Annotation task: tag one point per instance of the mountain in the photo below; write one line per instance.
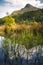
(28, 14)
(27, 8)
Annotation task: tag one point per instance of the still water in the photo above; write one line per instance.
(22, 53)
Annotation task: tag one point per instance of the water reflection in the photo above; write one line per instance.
(17, 55)
(1, 41)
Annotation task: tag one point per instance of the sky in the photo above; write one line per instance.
(12, 5)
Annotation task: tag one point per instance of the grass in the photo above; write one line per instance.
(20, 27)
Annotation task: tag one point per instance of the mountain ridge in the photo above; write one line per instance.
(27, 8)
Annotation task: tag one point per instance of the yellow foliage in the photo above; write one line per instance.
(35, 24)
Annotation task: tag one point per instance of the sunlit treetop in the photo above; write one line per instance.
(8, 20)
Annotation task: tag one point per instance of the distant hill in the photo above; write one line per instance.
(28, 14)
(27, 8)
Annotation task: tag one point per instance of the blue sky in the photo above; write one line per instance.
(11, 5)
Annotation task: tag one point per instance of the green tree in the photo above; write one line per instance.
(8, 20)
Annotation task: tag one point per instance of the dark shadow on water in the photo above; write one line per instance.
(4, 60)
(21, 61)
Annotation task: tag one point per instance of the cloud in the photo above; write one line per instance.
(5, 9)
(21, 3)
(11, 5)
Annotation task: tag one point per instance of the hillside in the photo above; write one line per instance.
(27, 8)
(28, 14)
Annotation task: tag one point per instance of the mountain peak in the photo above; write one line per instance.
(27, 8)
(27, 5)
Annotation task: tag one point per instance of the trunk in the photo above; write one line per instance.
(5, 59)
(27, 57)
(5, 62)
(37, 59)
(19, 57)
